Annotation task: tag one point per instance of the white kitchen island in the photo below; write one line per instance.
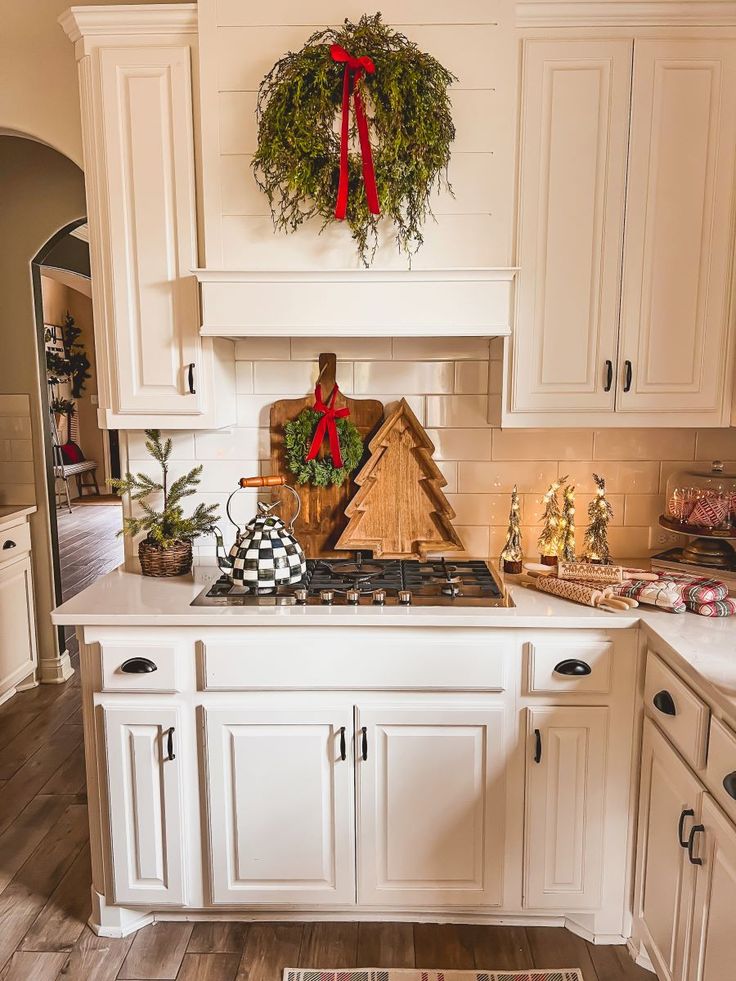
(417, 763)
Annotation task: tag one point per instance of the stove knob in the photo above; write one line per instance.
(379, 596)
(353, 596)
(405, 597)
(300, 595)
(326, 596)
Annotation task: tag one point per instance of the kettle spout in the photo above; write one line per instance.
(223, 559)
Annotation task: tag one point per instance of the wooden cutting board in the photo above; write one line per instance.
(323, 508)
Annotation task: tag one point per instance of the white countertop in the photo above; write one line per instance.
(11, 514)
(703, 648)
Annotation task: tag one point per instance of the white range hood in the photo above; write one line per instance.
(370, 303)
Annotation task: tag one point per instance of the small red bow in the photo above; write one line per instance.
(354, 68)
(327, 424)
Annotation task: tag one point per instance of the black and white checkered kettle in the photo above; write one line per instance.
(265, 553)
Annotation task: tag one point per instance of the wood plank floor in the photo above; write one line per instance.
(45, 899)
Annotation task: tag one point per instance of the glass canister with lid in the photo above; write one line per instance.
(702, 501)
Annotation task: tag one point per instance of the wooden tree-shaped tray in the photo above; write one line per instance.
(322, 519)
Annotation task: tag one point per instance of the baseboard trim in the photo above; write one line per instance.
(639, 955)
(55, 670)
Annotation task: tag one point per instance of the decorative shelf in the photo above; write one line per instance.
(368, 303)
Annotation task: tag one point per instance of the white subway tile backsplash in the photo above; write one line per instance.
(244, 377)
(182, 447)
(283, 378)
(480, 509)
(471, 377)
(542, 444)
(497, 478)
(233, 444)
(440, 348)
(461, 444)
(415, 402)
(622, 477)
(475, 539)
(254, 410)
(715, 444)
(449, 471)
(643, 509)
(495, 378)
(345, 348)
(263, 349)
(412, 377)
(643, 444)
(457, 411)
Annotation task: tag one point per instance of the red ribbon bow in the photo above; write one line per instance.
(354, 68)
(327, 424)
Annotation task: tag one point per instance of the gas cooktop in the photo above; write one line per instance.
(362, 581)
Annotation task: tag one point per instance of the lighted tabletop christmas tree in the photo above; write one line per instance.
(600, 512)
(567, 533)
(399, 510)
(512, 554)
(549, 537)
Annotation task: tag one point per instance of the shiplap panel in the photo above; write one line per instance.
(475, 112)
(471, 176)
(236, 13)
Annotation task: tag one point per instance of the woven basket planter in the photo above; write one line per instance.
(173, 561)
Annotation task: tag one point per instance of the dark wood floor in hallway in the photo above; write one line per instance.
(45, 877)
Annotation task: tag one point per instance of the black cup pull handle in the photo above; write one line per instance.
(664, 702)
(696, 829)
(571, 667)
(9, 544)
(609, 376)
(138, 665)
(686, 813)
(343, 748)
(627, 376)
(192, 389)
(170, 743)
(364, 743)
(729, 784)
(537, 746)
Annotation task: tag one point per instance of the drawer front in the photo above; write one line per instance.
(720, 776)
(569, 667)
(677, 710)
(139, 667)
(14, 542)
(447, 660)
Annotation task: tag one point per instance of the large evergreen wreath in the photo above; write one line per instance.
(298, 435)
(410, 122)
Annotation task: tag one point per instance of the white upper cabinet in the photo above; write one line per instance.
(138, 131)
(679, 229)
(629, 327)
(574, 135)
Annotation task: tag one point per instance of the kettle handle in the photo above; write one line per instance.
(298, 510)
(272, 481)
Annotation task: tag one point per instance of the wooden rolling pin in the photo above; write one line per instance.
(274, 480)
(579, 593)
(593, 574)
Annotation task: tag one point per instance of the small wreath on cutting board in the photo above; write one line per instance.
(402, 123)
(298, 436)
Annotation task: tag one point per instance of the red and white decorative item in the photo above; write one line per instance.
(710, 511)
(702, 499)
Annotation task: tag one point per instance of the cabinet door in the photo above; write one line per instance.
(431, 804)
(150, 232)
(145, 803)
(574, 135)
(17, 623)
(712, 956)
(664, 876)
(565, 793)
(281, 805)
(679, 229)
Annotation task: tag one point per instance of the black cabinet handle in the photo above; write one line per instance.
(729, 784)
(688, 812)
(192, 389)
(364, 743)
(609, 376)
(664, 702)
(138, 665)
(571, 667)
(9, 544)
(537, 746)
(696, 828)
(627, 376)
(343, 752)
(170, 744)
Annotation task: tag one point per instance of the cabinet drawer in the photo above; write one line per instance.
(127, 667)
(14, 542)
(677, 710)
(721, 773)
(569, 667)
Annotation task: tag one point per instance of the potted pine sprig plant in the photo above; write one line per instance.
(167, 548)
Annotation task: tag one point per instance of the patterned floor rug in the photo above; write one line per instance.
(381, 974)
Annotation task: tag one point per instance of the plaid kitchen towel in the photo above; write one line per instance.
(663, 593)
(717, 608)
(697, 589)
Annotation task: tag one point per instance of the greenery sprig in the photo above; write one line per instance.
(410, 122)
(298, 434)
(168, 526)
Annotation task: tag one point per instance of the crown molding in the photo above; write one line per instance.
(626, 13)
(129, 19)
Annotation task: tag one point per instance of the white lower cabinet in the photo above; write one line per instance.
(280, 802)
(431, 803)
(147, 818)
(17, 623)
(712, 945)
(565, 806)
(669, 806)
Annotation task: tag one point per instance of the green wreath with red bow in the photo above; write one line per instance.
(304, 436)
(401, 127)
